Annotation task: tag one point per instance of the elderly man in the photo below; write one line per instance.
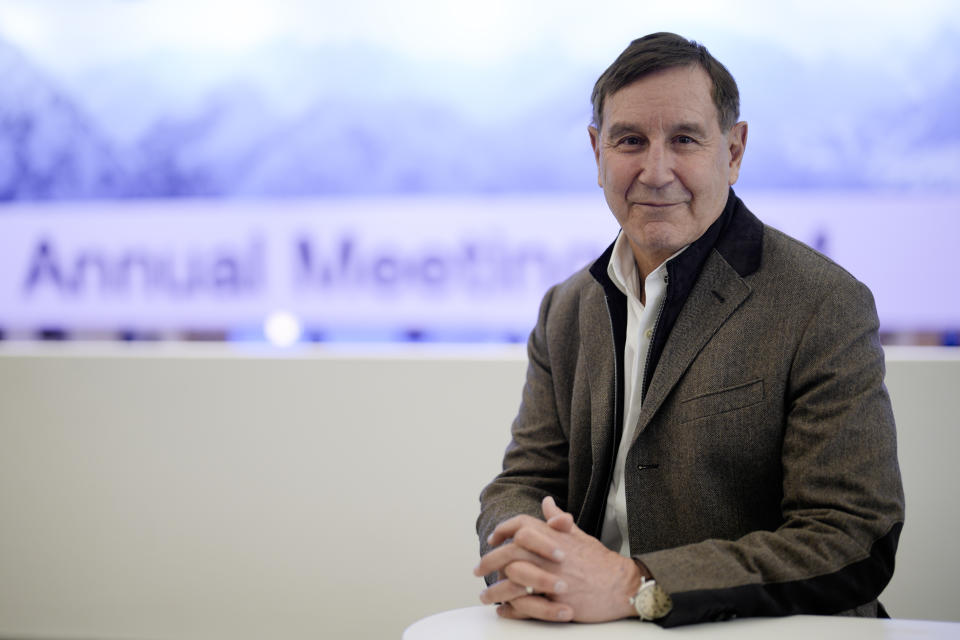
(704, 431)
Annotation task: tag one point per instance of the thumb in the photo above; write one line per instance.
(557, 518)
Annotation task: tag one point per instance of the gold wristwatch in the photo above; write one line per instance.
(650, 601)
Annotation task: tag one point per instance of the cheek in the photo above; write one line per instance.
(707, 179)
(615, 175)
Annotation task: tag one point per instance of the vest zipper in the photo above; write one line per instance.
(653, 337)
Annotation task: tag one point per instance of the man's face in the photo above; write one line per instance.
(664, 164)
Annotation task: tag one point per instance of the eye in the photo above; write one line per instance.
(631, 141)
(684, 139)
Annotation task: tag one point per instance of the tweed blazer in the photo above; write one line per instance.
(762, 478)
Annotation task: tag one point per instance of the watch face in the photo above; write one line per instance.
(652, 602)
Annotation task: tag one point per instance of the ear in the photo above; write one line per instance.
(595, 143)
(736, 143)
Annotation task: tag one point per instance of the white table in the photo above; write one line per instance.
(482, 623)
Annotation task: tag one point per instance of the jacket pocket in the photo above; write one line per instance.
(721, 401)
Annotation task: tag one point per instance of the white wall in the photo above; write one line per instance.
(202, 492)
(924, 385)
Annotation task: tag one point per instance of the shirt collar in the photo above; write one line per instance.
(622, 267)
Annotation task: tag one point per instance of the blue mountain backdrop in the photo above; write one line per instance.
(295, 121)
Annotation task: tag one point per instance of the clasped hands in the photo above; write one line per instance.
(550, 569)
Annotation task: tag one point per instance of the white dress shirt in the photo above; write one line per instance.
(641, 320)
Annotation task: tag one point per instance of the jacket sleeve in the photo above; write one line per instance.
(536, 459)
(842, 502)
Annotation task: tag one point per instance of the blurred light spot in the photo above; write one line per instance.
(282, 329)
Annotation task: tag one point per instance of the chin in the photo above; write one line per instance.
(659, 239)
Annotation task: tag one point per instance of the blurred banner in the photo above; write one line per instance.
(429, 268)
(397, 268)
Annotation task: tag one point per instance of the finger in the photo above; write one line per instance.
(550, 508)
(503, 555)
(506, 610)
(506, 591)
(536, 607)
(533, 535)
(557, 518)
(541, 540)
(506, 529)
(562, 523)
(528, 576)
(502, 591)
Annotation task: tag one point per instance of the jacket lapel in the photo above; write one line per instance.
(717, 294)
(601, 360)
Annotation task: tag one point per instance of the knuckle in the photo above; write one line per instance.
(546, 583)
(523, 537)
(518, 571)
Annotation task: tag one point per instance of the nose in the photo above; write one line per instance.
(656, 170)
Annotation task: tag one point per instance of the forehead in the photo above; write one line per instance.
(668, 96)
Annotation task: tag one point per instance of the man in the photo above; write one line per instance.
(704, 431)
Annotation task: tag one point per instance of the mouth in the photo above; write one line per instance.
(657, 205)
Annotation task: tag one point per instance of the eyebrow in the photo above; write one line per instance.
(618, 129)
(690, 127)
